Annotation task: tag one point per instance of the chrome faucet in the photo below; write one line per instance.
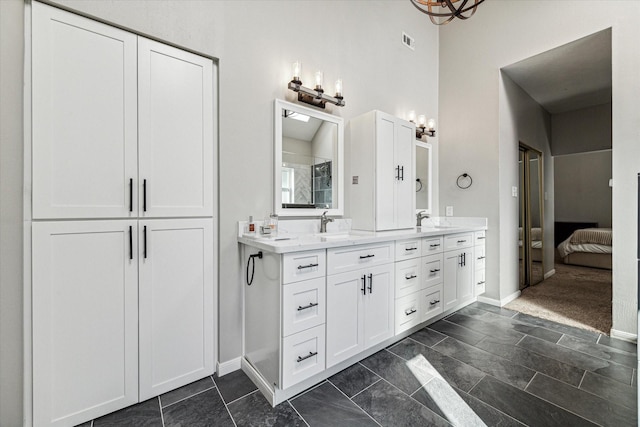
(323, 222)
(419, 217)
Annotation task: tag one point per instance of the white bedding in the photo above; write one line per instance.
(565, 248)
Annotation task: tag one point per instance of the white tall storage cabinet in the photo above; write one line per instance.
(122, 218)
(383, 172)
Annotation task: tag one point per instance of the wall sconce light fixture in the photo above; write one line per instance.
(315, 97)
(424, 126)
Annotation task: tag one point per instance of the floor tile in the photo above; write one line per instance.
(428, 337)
(87, 424)
(523, 406)
(619, 344)
(493, 309)
(600, 351)
(325, 405)
(557, 327)
(234, 385)
(611, 390)
(588, 406)
(202, 410)
(494, 329)
(407, 376)
(354, 379)
(490, 415)
(254, 410)
(442, 399)
(456, 331)
(503, 369)
(580, 360)
(452, 370)
(186, 391)
(551, 367)
(391, 407)
(634, 382)
(145, 414)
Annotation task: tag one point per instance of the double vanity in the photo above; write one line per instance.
(315, 303)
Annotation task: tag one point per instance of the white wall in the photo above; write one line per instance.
(586, 129)
(476, 130)
(255, 42)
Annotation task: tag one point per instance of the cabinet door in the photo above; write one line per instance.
(379, 305)
(458, 277)
(176, 303)
(404, 149)
(175, 131)
(386, 173)
(464, 282)
(345, 327)
(85, 319)
(84, 116)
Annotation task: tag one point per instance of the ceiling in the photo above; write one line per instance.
(570, 77)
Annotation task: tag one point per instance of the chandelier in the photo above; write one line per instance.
(449, 10)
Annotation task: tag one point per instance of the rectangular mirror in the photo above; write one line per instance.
(308, 172)
(423, 176)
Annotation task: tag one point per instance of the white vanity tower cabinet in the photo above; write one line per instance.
(122, 238)
(383, 173)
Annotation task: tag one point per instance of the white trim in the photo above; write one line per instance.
(232, 365)
(625, 336)
(499, 303)
(549, 273)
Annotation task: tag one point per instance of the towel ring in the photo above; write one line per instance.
(464, 181)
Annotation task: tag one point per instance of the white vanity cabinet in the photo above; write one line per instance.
(458, 287)
(479, 262)
(360, 301)
(383, 158)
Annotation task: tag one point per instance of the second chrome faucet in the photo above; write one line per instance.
(324, 221)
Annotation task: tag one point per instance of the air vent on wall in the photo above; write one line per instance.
(408, 41)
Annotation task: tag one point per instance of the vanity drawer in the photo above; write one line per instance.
(479, 282)
(431, 303)
(479, 237)
(432, 270)
(303, 355)
(408, 276)
(406, 249)
(478, 255)
(431, 245)
(298, 266)
(303, 305)
(340, 260)
(458, 241)
(407, 312)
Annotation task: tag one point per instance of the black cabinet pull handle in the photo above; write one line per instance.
(367, 256)
(402, 173)
(410, 249)
(130, 242)
(130, 194)
(144, 233)
(464, 259)
(434, 302)
(435, 270)
(370, 283)
(398, 172)
(434, 245)
(481, 237)
(300, 267)
(461, 241)
(481, 283)
(460, 261)
(413, 276)
(301, 358)
(144, 195)
(481, 257)
(410, 311)
(311, 305)
(364, 284)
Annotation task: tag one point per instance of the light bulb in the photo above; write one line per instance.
(412, 116)
(421, 120)
(297, 70)
(338, 88)
(431, 124)
(319, 80)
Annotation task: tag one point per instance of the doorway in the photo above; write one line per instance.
(531, 217)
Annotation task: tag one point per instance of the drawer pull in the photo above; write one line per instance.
(435, 270)
(367, 256)
(311, 305)
(481, 283)
(481, 257)
(434, 245)
(413, 276)
(462, 241)
(370, 287)
(410, 311)
(410, 249)
(480, 238)
(311, 354)
(300, 267)
(434, 302)
(364, 284)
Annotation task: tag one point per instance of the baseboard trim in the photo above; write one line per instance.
(625, 336)
(232, 365)
(499, 303)
(549, 273)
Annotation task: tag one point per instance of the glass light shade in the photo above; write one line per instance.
(422, 120)
(412, 116)
(319, 79)
(431, 124)
(296, 69)
(339, 87)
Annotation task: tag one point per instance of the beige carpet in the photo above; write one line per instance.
(575, 296)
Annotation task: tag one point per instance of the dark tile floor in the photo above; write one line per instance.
(482, 365)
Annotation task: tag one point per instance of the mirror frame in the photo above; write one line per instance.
(429, 147)
(338, 210)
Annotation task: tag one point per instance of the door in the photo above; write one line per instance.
(458, 277)
(176, 303)
(175, 131)
(84, 117)
(85, 319)
(405, 186)
(530, 233)
(386, 173)
(379, 305)
(345, 326)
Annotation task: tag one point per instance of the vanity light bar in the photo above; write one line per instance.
(315, 97)
(423, 127)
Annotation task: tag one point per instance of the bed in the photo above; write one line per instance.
(589, 247)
